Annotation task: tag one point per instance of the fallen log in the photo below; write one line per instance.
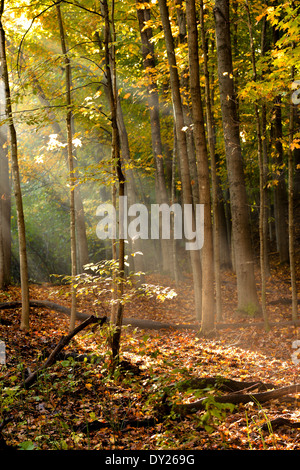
(135, 322)
(238, 398)
(279, 422)
(144, 323)
(221, 383)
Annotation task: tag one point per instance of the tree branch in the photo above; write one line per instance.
(61, 344)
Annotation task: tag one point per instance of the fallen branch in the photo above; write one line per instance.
(61, 344)
(221, 383)
(237, 398)
(278, 422)
(146, 324)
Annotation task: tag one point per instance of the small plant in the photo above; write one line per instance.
(215, 413)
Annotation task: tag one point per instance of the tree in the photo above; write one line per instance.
(244, 263)
(262, 182)
(5, 207)
(143, 14)
(69, 117)
(116, 158)
(207, 263)
(16, 179)
(182, 147)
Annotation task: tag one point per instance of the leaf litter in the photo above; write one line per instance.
(78, 405)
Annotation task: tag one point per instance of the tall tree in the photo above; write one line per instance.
(207, 263)
(280, 190)
(182, 148)
(291, 221)
(5, 211)
(16, 179)
(244, 262)
(143, 14)
(71, 166)
(116, 157)
(262, 182)
(214, 180)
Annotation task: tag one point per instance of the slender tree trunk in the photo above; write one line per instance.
(210, 133)
(72, 181)
(291, 222)
(280, 192)
(244, 263)
(187, 113)
(262, 183)
(222, 225)
(143, 14)
(207, 262)
(16, 181)
(5, 209)
(137, 250)
(112, 89)
(135, 246)
(182, 148)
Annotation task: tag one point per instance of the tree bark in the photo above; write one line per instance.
(262, 182)
(210, 133)
(72, 182)
(186, 107)
(143, 14)
(280, 190)
(244, 263)
(5, 212)
(16, 180)
(182, 148)
(112, 90)
(207, 261)
(291, 221)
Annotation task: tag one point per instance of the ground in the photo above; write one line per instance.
(71, 396)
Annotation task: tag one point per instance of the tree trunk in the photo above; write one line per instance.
(5, 211)
(182, 148)
(211, 142)
(135, 246)
(207, 262)
(291, 222)
(244, 264)
(72, 181)
(262, 182)
(143, 14)
(280, 192)
(184, 89)
(16, 181)
(112, 90)
(264, 133)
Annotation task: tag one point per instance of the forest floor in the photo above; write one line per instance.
(79, 406)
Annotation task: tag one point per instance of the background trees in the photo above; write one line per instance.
(168, 153)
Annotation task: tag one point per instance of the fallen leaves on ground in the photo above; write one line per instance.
(79, 406)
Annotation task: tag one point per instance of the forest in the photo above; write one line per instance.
(149, 227)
